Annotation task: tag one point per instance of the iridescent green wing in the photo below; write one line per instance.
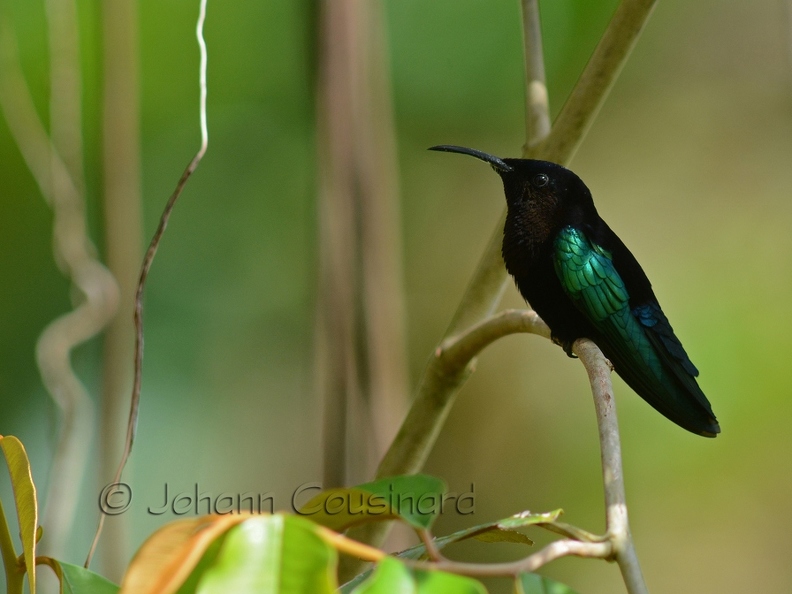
(591, 281)
(639, 341)
(588, 276)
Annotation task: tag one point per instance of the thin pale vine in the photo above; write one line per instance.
(60, 182)
(77, 428)
(149, 259)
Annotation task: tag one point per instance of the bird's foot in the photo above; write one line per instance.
(564, 344)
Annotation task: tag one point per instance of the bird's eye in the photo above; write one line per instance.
(540, 180)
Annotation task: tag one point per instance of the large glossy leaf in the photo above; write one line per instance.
(169, 556)
(277, 554)
(532, 583)
(417, 499)
(78, 580)
(390, 576)
(25, 499)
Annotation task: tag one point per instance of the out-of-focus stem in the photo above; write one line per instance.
(595, 82)
(338, 373)
(361, 358)
(452, 363)
(537, 105)
(381, 245)
(123, 245)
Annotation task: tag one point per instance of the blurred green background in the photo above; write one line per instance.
(689, 161)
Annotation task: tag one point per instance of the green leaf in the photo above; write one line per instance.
(25, 499)
(532, 583)
(15, 579)
(417, 499)
(169, 557)
(438, 582)
(78, 580)
(350, 586)
(500, 535)
(390, 576)
(525, 518)
(500, 531)
(279, 554)
(208, 559)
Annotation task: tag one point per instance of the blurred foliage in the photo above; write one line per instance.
(688, 162)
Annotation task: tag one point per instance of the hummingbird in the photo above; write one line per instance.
(581, 279)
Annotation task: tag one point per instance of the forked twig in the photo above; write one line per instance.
(437, 389)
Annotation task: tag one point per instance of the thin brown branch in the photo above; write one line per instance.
(429, 544)
(149, 259)
(555, 550)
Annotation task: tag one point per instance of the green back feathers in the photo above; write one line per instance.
(645, 352)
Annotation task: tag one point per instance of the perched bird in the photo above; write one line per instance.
(584, 283)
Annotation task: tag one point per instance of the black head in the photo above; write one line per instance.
(541, 194)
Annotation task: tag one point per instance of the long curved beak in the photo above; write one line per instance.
(496, 163)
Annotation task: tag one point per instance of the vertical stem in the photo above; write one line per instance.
(595, 82)
(337, 362)
(66, 89)
(436, 392)
(537, 107)
(598, 370)
(148, 260)
(361, 354)
(381, 246)
(123, 245)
